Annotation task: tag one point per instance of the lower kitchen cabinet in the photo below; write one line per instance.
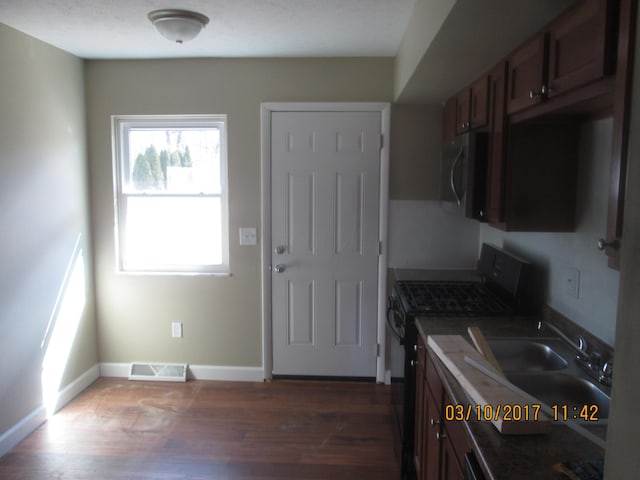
(440, 445)
(450, 466)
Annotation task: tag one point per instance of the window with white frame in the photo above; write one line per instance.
(170, 186)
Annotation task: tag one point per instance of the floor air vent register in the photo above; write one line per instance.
(158, 372)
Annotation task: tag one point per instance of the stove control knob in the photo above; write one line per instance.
(279, 268)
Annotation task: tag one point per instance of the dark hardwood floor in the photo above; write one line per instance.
(119, 429)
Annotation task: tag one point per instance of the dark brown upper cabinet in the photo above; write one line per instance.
(496, 164)
(472, 106)
(578, 66)
(463, 111)
(479, 110)
(581, 45)
(527, 74)
(565, 62)
(611, 242)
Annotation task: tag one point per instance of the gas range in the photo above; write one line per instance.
(502, 289)
(451, 298)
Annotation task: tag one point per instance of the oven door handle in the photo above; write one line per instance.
(390, 310)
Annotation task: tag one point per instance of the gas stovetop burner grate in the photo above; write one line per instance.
(450, 299)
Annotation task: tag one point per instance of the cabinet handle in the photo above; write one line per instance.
(544, 91)
(441, 435)
(414, 363)
(434, 422)
(417, 347)
(602, 244)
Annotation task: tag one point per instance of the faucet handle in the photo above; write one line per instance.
(582, 343)
(606, 372)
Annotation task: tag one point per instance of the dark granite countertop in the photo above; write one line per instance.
(510, 457)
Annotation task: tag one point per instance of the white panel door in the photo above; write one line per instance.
(325, 212)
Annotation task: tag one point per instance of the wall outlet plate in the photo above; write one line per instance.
(572, 282)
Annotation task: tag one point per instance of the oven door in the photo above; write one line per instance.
(403, 334)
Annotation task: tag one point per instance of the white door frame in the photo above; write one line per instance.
(265, 141)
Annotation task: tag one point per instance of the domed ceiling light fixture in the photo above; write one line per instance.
(178, 25)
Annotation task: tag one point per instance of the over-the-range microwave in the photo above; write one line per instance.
(464, 175)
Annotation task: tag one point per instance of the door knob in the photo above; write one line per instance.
(279, 249)
(279, 268)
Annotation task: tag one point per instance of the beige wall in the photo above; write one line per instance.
(221, 316)
(44, 210)
(416, 147)
(425, 23)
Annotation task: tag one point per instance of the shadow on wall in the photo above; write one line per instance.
(540, 274)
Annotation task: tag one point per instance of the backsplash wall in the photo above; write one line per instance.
(555, 254)
(423, 235)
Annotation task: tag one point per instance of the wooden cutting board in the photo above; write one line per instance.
(509, 412)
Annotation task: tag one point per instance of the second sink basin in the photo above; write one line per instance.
(518, 355)
(562, 389)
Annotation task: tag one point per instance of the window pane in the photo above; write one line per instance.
(172, 160)
(167, 231)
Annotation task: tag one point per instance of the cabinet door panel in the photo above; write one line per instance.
(527, 74)
(420, 411)
(497, 145)
(450, 468)
(621, 123)
(580, 46)
(479, 115)
(433, 444)
(463, 111)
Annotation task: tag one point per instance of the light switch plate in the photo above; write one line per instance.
(176, 329)
(248, 236)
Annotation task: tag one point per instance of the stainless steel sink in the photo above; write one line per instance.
(545, 368)
(517, 355)
(564, 389)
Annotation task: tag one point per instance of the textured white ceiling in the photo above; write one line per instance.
(237, 28)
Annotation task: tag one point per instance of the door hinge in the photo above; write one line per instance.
(381, 141)
(377, 349)
(379, 248)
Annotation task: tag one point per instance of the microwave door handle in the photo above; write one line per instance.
(452, 176)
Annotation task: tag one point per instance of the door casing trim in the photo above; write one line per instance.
(265, 145)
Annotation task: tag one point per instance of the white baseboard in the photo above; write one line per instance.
(114, 370)
(72, 390)
(22, 429)
(234, 374)
(28, 424)
(195, 372)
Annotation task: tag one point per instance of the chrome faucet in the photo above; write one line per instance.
(590, 362)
